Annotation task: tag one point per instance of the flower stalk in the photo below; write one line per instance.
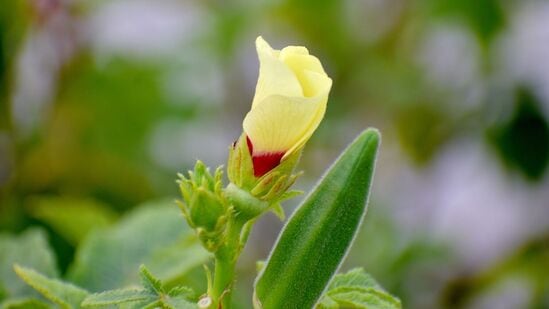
(289, 103)
(225, 264)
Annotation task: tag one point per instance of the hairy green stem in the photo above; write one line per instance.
(225, 263)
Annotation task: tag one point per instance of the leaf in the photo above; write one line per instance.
(31, 249)
(152, 295)
(72, 218)
(315, 240)
(178, 302)
(523, 140)
(26, 303)
(64, 294)
(183, 291)
(150, 283)
(366, 299)
(154, 234)
(357, 289)
(354, 277)
(485, 17)
(171, 262)
(115, 297)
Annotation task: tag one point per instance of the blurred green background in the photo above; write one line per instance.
(103, 102)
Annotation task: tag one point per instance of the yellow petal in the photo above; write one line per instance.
(274, 76)
(301, 65)
(290, 100)
(284, 124)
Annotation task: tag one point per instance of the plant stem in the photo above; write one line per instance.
(225, 262)
(223, 280)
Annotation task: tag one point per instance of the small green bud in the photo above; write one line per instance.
(206, 209)
(204, 204)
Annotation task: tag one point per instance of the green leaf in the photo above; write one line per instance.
(357, 289)
(354, 277)
(151, 295)
(183, 291)
(315, 240)
(150, 283)
(115, 297)
(178, 302)
(25, 303)
(31, 249)
(63, 294)
(172, 262)
(364, 299)
(523, 140)
(72, 218)
(154, 234)
(485, 17)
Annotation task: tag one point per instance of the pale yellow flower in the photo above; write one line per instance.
(289, 103)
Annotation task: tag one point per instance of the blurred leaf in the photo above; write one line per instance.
(523, 141)
(330, 35)
(529, 262)
(30, 248)
(108, 259)
(128, 100)
(422, 130)
(357, 289)
(96, 140)
(13, 21)
(63, 294)
(72, 218)
(171, 262)
(485, 17)
(26, 303)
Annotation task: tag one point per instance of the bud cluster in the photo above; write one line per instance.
(204, 204)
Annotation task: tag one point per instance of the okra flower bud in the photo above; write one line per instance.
(289, 103)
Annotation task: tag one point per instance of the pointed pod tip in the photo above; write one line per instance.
(371, 133)
(369, 138)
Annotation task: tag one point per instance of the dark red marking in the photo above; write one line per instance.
(264, 162)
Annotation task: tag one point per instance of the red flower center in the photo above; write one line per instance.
(264, 162)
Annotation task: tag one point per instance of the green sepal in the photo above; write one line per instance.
(268, 187)
(240, 168)
(277, 209)
(206, 209)
(315, 240)
(271, 186)
(245, 204)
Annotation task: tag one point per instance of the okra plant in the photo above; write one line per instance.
(300, 272)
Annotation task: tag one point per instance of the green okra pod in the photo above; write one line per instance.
(316, 238)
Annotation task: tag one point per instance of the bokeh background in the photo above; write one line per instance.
(103, 102)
